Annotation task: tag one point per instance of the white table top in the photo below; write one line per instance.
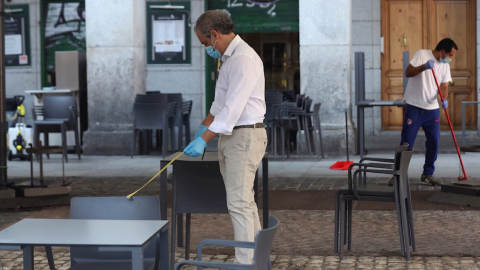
(58, 91)
(81, 232)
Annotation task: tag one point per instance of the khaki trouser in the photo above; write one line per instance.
(240, 155)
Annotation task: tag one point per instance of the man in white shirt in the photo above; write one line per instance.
(422, 108)
(237, 115)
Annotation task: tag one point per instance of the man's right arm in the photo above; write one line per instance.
(414, 71)
(208, 120)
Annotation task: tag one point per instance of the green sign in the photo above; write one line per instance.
(260, 16)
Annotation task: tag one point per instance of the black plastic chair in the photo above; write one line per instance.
(113, 208)
(371, 192)
(152, 116)
(261, 255)
(272, 98)
(60, 115)
(198, 187)
(379, 163)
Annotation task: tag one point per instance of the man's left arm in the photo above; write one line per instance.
(444, 89)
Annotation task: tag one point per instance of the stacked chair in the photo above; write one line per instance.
(60, 115)
(359, 189)
(152, 112)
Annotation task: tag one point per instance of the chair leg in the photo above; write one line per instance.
(187, 236)
(51, 263)
(180, 138)
(134, 141)
(410, 223)
(399, 220)
(282, 135)
(335, 238)
(350, 205)
(164, 142)
(36, 139)
(405, 227)
(342, 227)
(46, 142)
(77, 142)
(64, 142)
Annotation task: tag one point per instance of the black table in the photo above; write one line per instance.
(361, 105)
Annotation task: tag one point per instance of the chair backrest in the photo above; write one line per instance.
(186, 109)
(263, 244)
(398, 151)
(155, 98)
(199, 187)
(177, 97)
(58, 107)
(405, 158)
(150, 115)
(113, 208)
(316, 115)
(272, 98)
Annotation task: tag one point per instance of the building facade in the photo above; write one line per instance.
(308, 48)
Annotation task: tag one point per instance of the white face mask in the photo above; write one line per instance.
(445, 60)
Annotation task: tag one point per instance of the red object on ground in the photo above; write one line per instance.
(341, 165)
(460, 178)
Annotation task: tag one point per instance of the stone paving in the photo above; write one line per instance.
(12, 260)
(445, 239)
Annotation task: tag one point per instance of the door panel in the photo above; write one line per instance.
(456, 19)
(402, 23)
(412, 25)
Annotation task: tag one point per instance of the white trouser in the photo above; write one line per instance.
(240, 155)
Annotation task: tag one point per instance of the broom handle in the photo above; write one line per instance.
(450, 125)
(346, 132)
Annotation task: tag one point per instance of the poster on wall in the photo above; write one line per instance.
(63, 30)
(17, 38)
(168, 36)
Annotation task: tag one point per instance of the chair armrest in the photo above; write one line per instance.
(386, 160)
(234, 266)
(225, 243)
(355, 187)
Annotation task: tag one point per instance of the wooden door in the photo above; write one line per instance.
(411, 25)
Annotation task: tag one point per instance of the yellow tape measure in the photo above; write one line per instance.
(129, 197)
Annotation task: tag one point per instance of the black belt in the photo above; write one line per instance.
(257, 125)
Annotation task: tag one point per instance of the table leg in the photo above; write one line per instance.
(163, 191)
(179, 230)
(28, 258)
(164, 262)
(137, 258)
(265, 190)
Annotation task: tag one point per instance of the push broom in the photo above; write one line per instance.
(464, 177)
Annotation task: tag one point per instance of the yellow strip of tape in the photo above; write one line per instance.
(129, 197)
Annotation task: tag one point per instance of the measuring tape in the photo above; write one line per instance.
(129, 197)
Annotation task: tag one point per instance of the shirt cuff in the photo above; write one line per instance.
(220, 128)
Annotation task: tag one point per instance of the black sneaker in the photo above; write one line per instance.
(429, 180)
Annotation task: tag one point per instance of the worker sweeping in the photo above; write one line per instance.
(422, 110)
(237, 115)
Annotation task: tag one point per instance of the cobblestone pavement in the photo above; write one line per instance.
(12, 260)
(445, 239)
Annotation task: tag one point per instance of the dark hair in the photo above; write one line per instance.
(217, 20)
(446, 44)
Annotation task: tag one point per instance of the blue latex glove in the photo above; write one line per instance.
(444, 103)
(200, 131)
(429, 64)
(195, 148)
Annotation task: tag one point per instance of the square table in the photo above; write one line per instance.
(108, 235)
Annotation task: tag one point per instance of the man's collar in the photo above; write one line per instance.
(232, 45)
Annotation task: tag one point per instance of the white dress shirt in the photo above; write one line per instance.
(240, 89)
